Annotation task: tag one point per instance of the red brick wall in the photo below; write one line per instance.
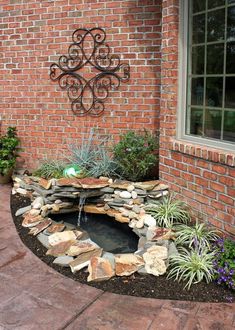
(33, 34)
(202, 176)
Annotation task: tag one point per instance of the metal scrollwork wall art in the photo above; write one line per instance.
(89, 48)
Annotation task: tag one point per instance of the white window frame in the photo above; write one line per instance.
(182, 87)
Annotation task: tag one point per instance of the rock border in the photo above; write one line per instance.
(125, 201)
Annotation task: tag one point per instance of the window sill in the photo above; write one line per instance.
(204, 152)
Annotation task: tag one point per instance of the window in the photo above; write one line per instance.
(210, 74)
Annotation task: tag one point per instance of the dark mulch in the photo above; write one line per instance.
(147, 286)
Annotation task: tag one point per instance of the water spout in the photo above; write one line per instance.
(82, 201)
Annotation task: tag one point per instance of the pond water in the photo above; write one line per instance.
(109, 234)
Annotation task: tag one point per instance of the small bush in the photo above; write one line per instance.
(192, 266)
(224, 263)
(169, 211)
(51, 169)
(135, 156)
(8, 150)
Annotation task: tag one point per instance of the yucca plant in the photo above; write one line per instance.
(192, 266)
(169, 211)
(51, 169)
(200, 233)
(92, 155)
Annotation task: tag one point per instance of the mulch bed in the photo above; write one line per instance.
(147, 286)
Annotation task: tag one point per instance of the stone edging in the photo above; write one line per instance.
(123, 200)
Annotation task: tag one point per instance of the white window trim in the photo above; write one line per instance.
(182, 87)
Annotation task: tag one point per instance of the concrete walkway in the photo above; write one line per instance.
(33, 296)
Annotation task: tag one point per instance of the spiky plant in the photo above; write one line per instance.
(169, 211)
(51, 169)
(192, 266)
(188, 235)
(92, 155)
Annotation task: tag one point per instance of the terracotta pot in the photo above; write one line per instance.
(4, 179)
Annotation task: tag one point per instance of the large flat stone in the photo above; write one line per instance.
(59, 249)
(40, 227)
(31, 220)
(100, 269)
(83, 260)
(94, 209)
(127, 264)
(64, 236)
(93, 183)
(80, 247)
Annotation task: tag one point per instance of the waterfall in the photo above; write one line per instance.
(82, 201)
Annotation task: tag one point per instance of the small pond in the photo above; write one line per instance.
(109, 234)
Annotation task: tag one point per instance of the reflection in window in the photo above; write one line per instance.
(229, 126)
(196, 121)
(214, 91)
(215, 25)
(211, 70)
(213, 123)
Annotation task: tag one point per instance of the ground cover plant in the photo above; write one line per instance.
(169, 211)
(51, 169)
(224, 262)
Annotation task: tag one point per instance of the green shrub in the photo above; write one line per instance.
(169, 211)
(135, 156)
(51, 169)
(199, 233)
(92, 155)
(192, 266)
(8, 150)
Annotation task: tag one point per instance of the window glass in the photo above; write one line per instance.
(230, 92)
(229, 126)
(231, 24)
(230, 61)
(198, 59)
(197, 91)
(215, 59)
(198, 29)
(213, 120)
(198, 5)
(214, 91)
(214, 3)
(211, 70)
(196, 121)
(216, 25)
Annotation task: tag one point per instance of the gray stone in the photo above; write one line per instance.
(63, 261)
(38, 203)
(141, 192)
(43, 239)
(136, 209)
(22, 210)
(140, 232)
(107, 190)
(172, 250)
(42, 192)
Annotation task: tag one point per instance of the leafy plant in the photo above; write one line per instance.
(135, 156)
(8, 150)
(200, 233)
(224, 263)
(192, 266)
(93, 156)
(169, 211)
(51, 169)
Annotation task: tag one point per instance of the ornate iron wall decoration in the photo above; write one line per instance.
(111, 72)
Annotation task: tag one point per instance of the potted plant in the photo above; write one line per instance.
(8, 154)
